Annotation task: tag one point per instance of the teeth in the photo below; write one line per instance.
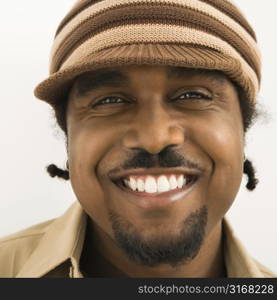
(140, 185)
(127, 183)
(184, 181)
(150, 185)
(180, 181)
(132, 183)
(173, 182)
(163, 184)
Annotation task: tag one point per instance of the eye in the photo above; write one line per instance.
(110, 100)
(194, 96)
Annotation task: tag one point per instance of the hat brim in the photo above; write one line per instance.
(57, 85)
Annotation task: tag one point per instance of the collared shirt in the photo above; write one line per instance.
(53, 249)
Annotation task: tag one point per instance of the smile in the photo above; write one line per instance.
(157, 184)
(153, 189)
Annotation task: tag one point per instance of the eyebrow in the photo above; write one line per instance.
(183, 72)
(101, 78)
(116, 78)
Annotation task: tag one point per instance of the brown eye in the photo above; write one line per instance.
(110, 100)
(194, 95)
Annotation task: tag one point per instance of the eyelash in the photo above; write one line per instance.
(198, 95)
(111, 97)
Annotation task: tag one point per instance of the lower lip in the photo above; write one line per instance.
(155, 201)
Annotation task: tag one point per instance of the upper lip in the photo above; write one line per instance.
(154, 171)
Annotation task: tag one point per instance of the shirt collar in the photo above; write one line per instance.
(65, 238)
(238, 262)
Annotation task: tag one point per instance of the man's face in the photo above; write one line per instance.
(155, 156)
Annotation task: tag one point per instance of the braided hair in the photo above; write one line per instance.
(54, 171)
(249, 170)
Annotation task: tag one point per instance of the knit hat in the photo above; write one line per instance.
(202, 34)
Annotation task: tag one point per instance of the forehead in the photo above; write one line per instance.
(123, 76)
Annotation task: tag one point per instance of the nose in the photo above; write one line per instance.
(153, 129)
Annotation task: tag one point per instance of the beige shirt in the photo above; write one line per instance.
(53, 249)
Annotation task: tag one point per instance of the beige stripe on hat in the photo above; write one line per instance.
(205, 34)
(193, 5)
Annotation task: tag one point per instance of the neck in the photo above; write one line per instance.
(112, 262)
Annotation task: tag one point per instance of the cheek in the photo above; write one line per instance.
(87, 145)
(222, 140)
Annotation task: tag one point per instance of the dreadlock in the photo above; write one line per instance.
(249, 170)
(249, 115)
(54, 171)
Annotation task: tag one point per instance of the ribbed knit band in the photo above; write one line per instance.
(206, 34)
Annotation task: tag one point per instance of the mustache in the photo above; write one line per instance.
(167, 158)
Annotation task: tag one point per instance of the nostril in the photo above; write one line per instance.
(169, 147)
(153, 137)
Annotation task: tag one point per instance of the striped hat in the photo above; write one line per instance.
(202, 34)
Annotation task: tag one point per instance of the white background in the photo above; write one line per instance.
(29, 138)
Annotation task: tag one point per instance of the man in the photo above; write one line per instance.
(155, 98)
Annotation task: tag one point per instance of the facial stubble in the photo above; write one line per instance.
(174, 251)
